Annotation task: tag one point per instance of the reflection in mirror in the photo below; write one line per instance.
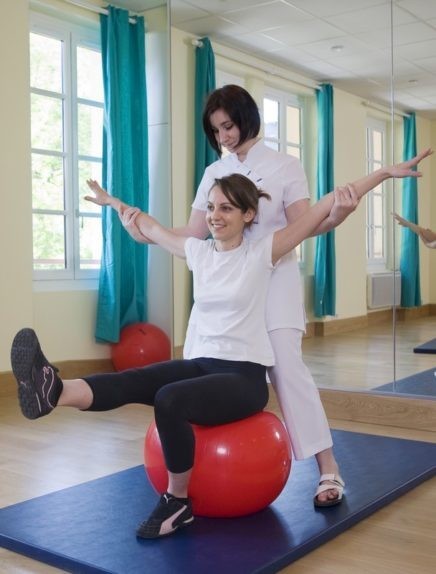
(281, 53)
(414, 83)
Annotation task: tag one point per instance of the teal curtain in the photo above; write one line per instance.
(409, 261)
(325, 258)
(122, 287)
(204, 84)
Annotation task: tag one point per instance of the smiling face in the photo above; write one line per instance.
(225, 221)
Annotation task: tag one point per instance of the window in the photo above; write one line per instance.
(66, 89)
(282, 116)
(224, 78)
(282, 120)
(376, 202)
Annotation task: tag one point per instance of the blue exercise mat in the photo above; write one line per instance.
(90, 528)
(423, 384)
(429, 347)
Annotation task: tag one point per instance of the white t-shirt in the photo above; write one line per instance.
(284, 179)
(230, 287)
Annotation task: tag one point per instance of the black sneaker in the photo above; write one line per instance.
(170, 514)
(39, 387)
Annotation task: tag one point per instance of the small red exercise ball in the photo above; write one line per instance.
(239, 468)
(140, 344)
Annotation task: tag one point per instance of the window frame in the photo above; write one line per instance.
(224, 78)
(72, 36)
(284, 100)
(375, 264)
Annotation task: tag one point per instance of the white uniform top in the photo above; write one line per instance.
(283, 178)
(230, 288)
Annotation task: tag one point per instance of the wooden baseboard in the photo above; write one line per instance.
(410, 313)
(67, 370)
(325, 328)
(378, 317)
(381, 409)
(78, 369)
(337, 326)
(310, 330)
(178, 352)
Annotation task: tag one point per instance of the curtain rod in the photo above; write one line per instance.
(384, 109)
(98, 9)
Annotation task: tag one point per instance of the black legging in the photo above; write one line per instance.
(199, 391)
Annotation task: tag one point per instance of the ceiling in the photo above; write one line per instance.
(345, 42)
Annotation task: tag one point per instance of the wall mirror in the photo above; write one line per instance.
(369, 51)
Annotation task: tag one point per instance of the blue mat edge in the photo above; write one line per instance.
(388, 388)
(74, 567)
(428, 348)
(48, 557)
(337, 529)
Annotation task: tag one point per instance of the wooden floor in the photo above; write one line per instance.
(364, 359)
(69, 447)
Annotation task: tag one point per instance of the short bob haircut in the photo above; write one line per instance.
(241, 192)
(241, 109)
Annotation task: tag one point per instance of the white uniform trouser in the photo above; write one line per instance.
(298, 396)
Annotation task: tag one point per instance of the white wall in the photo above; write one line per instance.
(16, 302)
(160, 277)
(182, 120)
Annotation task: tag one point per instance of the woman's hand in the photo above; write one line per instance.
(101, 196)
(427, 235)
(405, 168)
(406, 223)
(128, 217)
(346, 201)
(401, 220)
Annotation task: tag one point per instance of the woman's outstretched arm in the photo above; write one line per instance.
(196, 226)
(294, 233)
(148, 227)
(427, 235)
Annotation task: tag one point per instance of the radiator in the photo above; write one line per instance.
(380, 290)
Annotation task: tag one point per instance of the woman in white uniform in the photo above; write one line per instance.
(231, 120)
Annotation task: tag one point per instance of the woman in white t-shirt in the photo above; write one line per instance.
(223, 375)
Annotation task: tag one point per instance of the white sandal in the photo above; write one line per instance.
(336, 483)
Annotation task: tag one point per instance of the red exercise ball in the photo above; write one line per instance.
(239, 468)
(140, 344)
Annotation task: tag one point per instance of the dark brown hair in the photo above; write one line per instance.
(241, 108)
(241, 192)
